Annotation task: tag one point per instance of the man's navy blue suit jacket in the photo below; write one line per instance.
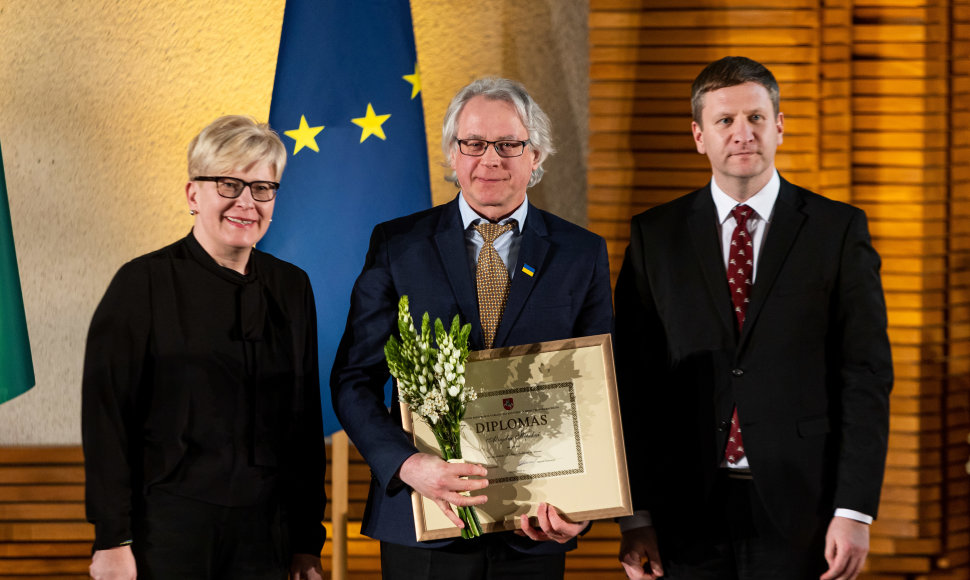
(424, 256)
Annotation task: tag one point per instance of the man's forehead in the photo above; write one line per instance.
(493, 124)
(747, 98)
(723, 108)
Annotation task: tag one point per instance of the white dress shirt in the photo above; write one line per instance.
(507, 245)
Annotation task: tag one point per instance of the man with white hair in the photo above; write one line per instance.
(558, 286)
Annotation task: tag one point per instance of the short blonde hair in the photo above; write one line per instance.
(234, 142)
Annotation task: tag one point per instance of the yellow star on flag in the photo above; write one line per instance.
(371, 124)
(305, 136)
(415, 80)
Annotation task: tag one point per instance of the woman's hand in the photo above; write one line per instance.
(306, 567)
(113, 564)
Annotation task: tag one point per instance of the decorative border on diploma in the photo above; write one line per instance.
(548, 430)
(579, 441)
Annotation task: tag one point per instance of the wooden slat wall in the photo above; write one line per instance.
(956, 408)
(43, 533)
(875, 95)
(42, 528)
(644, 54)
(900, 95)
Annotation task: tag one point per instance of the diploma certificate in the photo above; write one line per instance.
(546, 424)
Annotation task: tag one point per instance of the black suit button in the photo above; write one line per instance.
(723, 426)
(737, 372)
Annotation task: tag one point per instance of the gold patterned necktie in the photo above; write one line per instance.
(492, 277)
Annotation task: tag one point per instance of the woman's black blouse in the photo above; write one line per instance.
(203, 383)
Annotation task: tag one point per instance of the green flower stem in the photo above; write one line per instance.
(473, 528)
(478, 524)
(452, 451)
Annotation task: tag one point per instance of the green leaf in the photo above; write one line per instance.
(455, 326)
(392, 350)
(426, 328)
(439, 332)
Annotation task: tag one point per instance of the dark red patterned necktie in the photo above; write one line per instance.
(739, 269)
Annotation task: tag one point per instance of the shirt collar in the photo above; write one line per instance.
(209, 263)
(762, 202)
(470, 217)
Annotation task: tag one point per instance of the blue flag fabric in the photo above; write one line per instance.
(347, 104)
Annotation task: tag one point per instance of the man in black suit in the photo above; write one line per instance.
(558, 282)
(753, 362)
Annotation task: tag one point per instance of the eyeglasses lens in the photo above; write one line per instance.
(477, 148)
(233, 188)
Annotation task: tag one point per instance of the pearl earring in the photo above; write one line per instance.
(192, 212)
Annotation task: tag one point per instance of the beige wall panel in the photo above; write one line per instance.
(99, 103)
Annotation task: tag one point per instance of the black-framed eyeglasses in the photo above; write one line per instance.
(504, 148)
(232, 187)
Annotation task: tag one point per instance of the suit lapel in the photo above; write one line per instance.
(532, 252)
(450, 241)
(786, 222)
(702, 225)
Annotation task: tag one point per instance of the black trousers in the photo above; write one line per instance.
(743, 543)
(185, 539)
(485, 558)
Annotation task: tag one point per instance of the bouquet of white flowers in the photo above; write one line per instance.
(431, 381)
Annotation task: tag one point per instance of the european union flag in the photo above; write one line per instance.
(347, 103)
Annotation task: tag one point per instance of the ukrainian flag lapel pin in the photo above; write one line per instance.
(528, 270)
